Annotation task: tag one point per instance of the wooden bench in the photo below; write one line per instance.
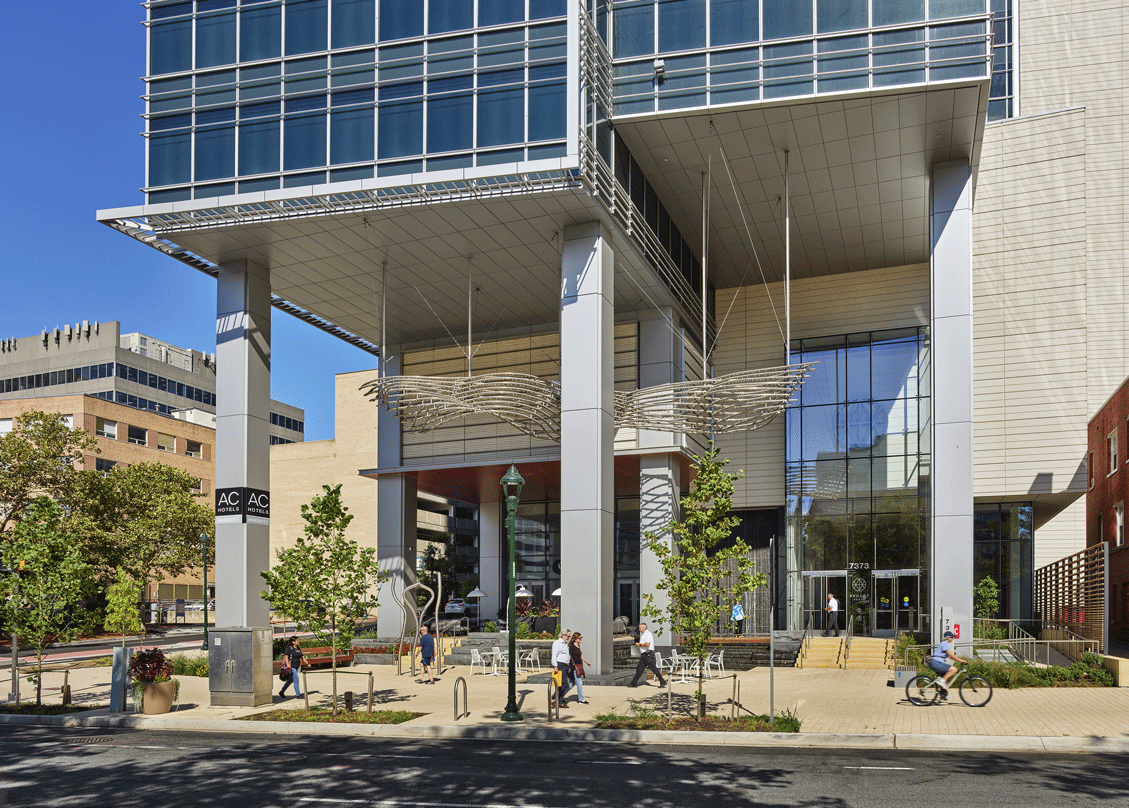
(313, 657)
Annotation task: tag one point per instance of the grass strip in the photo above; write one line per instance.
(323, 715)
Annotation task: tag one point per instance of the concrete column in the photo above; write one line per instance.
(660, 362)
(243, 320)
(587, 439)
(659, 486)
(951, 388)
(491, 523)
(395, 515)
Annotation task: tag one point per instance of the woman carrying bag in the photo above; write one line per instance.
(578, 663)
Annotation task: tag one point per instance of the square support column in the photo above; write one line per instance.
(659, 487)
(243, 322)
(587, 439)
(396, 506)
(950, 286)
(491, 524)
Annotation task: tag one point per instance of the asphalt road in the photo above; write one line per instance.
(57, 767)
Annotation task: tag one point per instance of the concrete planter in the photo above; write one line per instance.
(157, 697)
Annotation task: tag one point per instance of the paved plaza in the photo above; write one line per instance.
(836, 707)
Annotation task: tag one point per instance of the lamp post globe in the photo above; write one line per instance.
(511, 487)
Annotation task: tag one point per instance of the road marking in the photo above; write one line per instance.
(409, 804)
(611, 762)
(885, 768)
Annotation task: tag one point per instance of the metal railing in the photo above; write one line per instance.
(847, 642)
(1029, 650)
(465, 711)
(1073, 592)
(805, 641)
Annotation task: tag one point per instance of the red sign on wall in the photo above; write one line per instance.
(956, 631)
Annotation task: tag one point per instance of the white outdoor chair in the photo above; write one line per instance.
(476, 658)
(531, 659)
(716, 662)
(501, 658)
(666, 664)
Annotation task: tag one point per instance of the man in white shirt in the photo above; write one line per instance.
(646, 646)
(832, 622)
(562, 660)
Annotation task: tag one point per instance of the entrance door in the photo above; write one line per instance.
(627, 599)
(816, 587)
(895, 604)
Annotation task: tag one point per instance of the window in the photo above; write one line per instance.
(104, 466)
(137, 436)
(166, 443)
(1111, 442)
(106, 429)
(194, 449)
(5, 426)
(1119, 522)
(197, 487)
(1090, 465)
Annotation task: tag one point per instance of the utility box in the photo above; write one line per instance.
(239, 666)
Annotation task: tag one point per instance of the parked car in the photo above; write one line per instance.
(455, 606)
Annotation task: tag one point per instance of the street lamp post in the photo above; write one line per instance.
(511, 485)
(204, 558)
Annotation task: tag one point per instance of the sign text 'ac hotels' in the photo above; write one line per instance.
(242, 505)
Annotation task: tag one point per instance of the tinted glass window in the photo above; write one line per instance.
(351, 135)
(259, 147)
(784, 18)
(634, 29)
(260, 33)
(682, 25)
(841, 15)
(354, 23)
(501, 116)
(215, 40)
(496, 12)
(304, 142)
(215, 153)
(400, 122)
(449, 15)
(889, 12)
(170, 47)
(306, 29)
(170, 159)
(399, 19)
(733, 22)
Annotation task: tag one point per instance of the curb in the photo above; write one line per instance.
(800, 740)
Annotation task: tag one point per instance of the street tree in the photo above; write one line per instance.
(144, 519)
(39, 457)
(43, 593)
(325, 579)
(122, 597)
(705, 569)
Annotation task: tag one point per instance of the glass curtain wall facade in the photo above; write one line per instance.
(537, 543)
(857, 482)
(1003, 545)
(253, 95)
(809, 47)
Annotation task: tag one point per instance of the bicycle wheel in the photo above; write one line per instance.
(975, 691)
(921, 690)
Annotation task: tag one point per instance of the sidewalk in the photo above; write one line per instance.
(838, 708)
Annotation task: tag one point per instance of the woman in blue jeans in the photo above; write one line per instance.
(294, 655)
(578, 663)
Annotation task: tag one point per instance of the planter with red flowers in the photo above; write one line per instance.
(154, 689)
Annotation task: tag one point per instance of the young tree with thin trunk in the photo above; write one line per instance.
(324, 580)
(704, 572)
(122, 597)
(47, 583)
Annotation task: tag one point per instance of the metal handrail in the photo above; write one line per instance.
(1025, 650)
(805, 641)
(847, 642)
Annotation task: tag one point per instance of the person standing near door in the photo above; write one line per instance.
(832, 621)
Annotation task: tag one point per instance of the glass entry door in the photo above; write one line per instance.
(627, 599)
(816, 587)
(895, 605)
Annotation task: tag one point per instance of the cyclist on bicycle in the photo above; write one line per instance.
(941, 662)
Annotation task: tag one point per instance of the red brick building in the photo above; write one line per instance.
(1106, 500)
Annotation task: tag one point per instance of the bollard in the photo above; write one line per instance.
(554, 700)
(348, 701)
(670, 697)
(305, 690)
(370, 692)
(66, 688)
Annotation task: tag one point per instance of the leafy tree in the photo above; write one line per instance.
(122, 597)
(38, 458)
(48, 583)
(323, 580)
(986, 596)
(702, 579)
(143, 519)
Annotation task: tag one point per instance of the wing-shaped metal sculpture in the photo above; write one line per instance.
(736, 402)
(528, 403)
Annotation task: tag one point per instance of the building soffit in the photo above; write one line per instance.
(329, 266)
(859, 175)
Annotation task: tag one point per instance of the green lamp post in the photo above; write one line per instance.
(204, 541)
(511, 485)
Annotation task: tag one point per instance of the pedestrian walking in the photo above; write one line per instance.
(294, 657)
(426, 651)
(832, 623)
(578, 663)
(562, 661)
(646, 646)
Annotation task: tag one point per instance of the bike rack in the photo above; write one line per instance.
(465, 711)
(554, 700)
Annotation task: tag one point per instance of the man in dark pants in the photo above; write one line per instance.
(832, 622)
(646, 646)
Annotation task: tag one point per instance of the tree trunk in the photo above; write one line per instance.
(701, 693)
(39, 680)
(333, 660)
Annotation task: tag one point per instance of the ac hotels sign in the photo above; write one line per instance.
(242, 506)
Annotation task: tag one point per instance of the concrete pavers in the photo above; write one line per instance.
(838, 708)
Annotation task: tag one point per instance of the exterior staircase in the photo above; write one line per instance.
(870, 652)
(822, 652)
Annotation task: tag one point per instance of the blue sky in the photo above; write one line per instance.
(70, 87)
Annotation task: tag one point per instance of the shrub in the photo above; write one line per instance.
(150, 665)
(196, 665)
(522, 631)
(490, 626)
